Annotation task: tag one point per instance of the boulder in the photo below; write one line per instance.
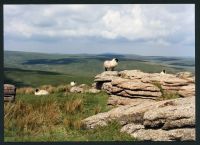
(137, 84)
(139, 132)
(187, 91)
(136, 94)
(93, 90)
(184, 75)
(76, 89)
(115, 100)
(177, 113)
(83, 88)
(106, 76)
(152, 120)
(124, 114)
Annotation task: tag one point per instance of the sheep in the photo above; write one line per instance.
(110, 64)
(72, 83)
(163, 72)
(41, 92)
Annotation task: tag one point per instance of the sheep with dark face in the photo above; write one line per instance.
(163, 72)
(110, 64)
(72, 84)
(41, 92)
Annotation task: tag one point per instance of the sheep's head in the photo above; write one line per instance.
(115, 59)
(36, 90)
(73, 83)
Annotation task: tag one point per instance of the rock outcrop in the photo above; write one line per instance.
(121, 101)
(139, 110)
(155, 120)
(137, 84)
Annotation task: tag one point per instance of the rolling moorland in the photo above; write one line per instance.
(33, 69)
(29, 118)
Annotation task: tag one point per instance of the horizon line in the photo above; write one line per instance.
(111, 53)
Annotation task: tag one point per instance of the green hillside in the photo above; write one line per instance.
(33, 69)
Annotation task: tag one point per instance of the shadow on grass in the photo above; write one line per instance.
(31, 71)
(53, 61)
(79, 60)
(13, 82)
(183, 64)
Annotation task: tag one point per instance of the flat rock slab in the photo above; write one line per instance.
(170, 119)
(139, 132)
(137, 84)
(115, 100)
(173, 114)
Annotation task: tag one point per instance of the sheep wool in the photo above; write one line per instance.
(73, 83)
(41, 92)
(110, 64)
(163, 72)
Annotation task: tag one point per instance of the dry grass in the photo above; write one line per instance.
(25, 90)
(29, 119)
(52, 118)
(166, 94)
(63, 88)
(170, 95)
(78, 124)
(34, 119)
(97, 109)
(73, 105)
(73, 123)
(49, 88)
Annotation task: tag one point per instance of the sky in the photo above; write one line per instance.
(144, 29)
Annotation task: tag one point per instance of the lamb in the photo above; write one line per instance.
(72, 83)
(163, 72)
(110, 64)
(41, 92)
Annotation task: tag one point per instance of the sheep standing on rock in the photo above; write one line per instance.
(163, 72)
(110, 64)
(72, 84)
(41, 92)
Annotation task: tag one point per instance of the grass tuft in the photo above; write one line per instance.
(25, 90)
(166, 94)
(97, 109)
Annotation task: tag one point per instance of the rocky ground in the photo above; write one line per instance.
(139, 110)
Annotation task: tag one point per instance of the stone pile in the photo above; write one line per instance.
(137, 84)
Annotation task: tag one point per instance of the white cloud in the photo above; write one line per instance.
(159, 24)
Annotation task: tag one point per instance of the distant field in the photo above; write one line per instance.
(33, 69)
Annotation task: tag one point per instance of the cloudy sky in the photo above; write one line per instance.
(151, 29)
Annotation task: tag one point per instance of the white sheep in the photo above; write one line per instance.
(163, 72)
(41, 92)
(110, 64)
(72, 83)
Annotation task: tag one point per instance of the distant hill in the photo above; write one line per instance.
(25, 67)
